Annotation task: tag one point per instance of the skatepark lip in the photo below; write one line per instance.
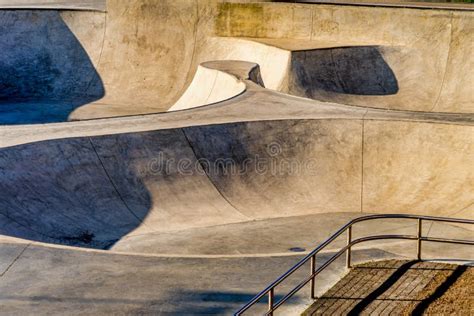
(155, 133)
(264, 248)
(395, 4)
(82, 5)
(114, 76)
(238, 108)
(120, 161)
(101, 5)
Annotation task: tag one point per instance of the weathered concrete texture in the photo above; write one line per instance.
(265, 173)
(136, 58)
(421, 4)
(255, 104)
(57, 281)
(92, 191)
(293, 235)
(413, 61)
(9, 253)
(43, 59)
(139, 56)
(416, 155)
(147, 51)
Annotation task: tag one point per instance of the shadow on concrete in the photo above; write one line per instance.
(86, 192)
(358, 70)
(45, 73)
(185, 303)
(219, 303)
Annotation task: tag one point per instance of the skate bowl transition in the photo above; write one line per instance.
(164, 131)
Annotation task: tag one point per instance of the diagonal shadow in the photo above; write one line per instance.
(440, 290)
(396, 275)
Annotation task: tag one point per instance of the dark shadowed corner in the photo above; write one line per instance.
(45, 73)
(358, 70)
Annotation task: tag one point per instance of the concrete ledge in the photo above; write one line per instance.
(394, 4)
(86, 5)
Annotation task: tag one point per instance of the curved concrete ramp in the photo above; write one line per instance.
(392, 58)
(210, 86)
(45, 70)
(93, 191)
(296, 157)
(200, 207)
(139, 56)
(65, 64)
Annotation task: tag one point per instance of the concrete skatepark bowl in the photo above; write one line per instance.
(174, 157)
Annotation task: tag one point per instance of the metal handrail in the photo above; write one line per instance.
(270, 290)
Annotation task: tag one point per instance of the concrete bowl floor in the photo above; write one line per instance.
(98, 215)
(279, 236)
(211, 270)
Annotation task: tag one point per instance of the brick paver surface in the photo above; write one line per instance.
(392, 287)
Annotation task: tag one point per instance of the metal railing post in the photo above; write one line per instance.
(418, 242)
(271, 297)
(418, 237)
(348, 253)
(313, 269)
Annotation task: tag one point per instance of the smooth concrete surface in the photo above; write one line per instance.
(421, 157)
(196, 210)
(355, 160)
(126, 184)
(138, 57)
(58, 280)
(416, 59)
(295, 234)
(108, 187)
(272, 60)
(209, 86)
(55, 281)
(143, 51)
(241, 108)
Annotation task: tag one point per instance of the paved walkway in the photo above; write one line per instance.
(392, 287)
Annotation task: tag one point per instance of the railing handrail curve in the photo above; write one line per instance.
(348, 227)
